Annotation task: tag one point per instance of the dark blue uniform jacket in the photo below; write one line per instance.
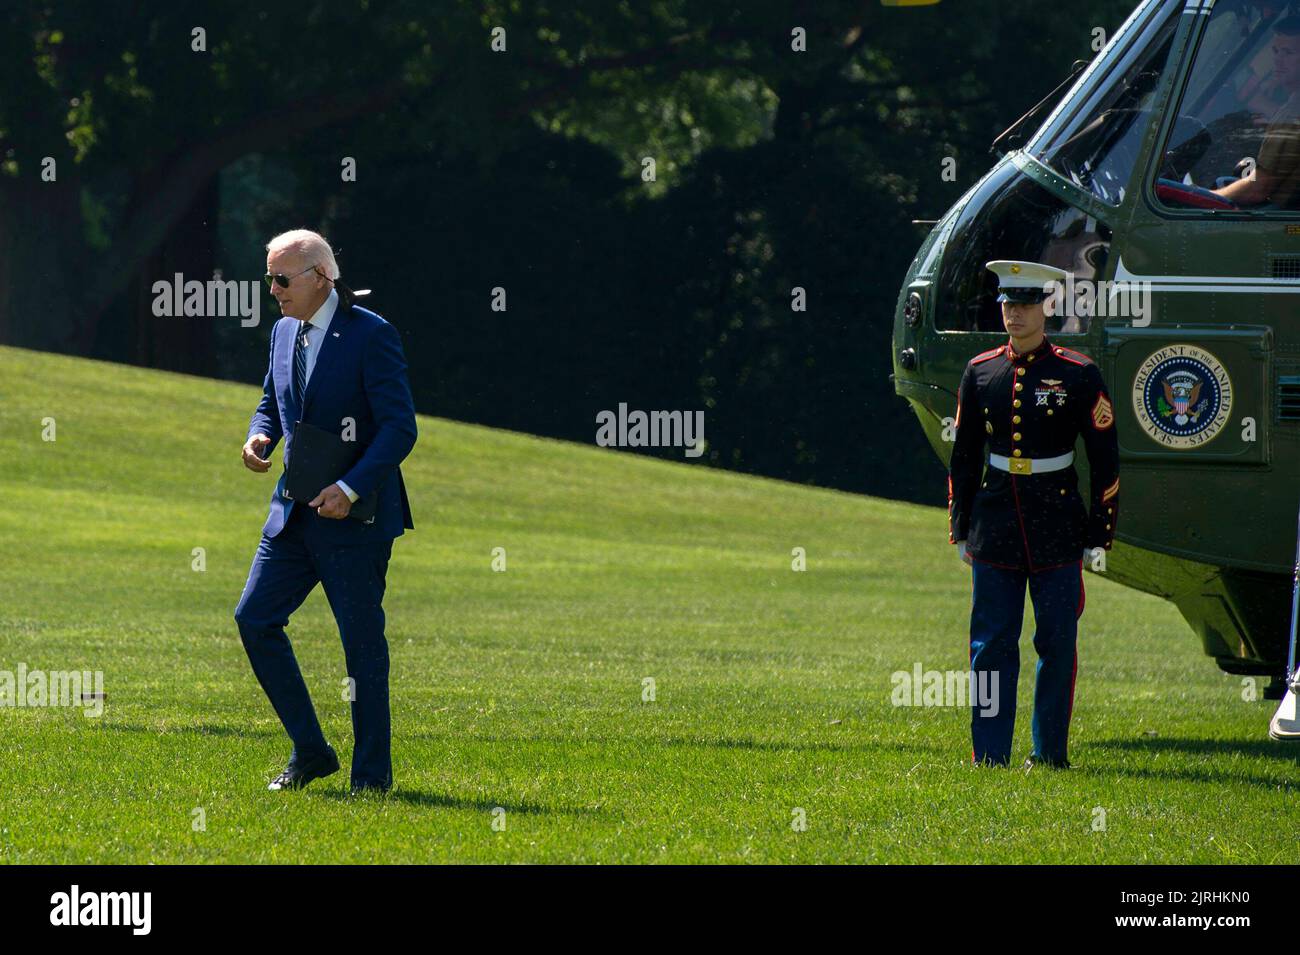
(1034, 405)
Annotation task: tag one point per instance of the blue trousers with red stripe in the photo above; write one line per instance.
(997, 612)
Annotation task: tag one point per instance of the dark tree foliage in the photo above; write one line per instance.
(775, 170)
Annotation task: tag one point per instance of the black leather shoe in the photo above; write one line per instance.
(300, 772)
(1034, 760)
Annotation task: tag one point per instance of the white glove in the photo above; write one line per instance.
(961, 552)
(1089, 554)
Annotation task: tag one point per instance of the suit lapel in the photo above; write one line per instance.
(335, 341)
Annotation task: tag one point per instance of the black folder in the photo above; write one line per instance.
(317, 460)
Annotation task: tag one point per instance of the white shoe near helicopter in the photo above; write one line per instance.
(1171, 165)
(1285, 725)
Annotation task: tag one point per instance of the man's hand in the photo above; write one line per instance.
(331, 502)
(253, 459)
(961, 552)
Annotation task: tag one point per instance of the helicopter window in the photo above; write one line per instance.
(1012, 217)
(1235, 142)
(1097, 149)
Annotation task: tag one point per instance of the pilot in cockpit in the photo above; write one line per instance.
(1276, 179)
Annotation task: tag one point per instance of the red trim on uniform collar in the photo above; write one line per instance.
(1043, 346)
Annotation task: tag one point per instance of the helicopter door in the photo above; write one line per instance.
(1217, 245)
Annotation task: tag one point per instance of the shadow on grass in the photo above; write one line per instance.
(776, 746)
(434, 800)
(725, 742)
(194, 729)
(1255, 748)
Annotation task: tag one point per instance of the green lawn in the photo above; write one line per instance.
(523, 689)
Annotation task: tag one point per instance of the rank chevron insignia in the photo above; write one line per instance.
(1103, 415)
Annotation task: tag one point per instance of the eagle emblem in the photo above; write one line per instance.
(1182, 389)
(1182, 396)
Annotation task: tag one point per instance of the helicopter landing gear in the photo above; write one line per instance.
(1285, 725)
(1276, 688)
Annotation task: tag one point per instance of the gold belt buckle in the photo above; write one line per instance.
(1020, 465)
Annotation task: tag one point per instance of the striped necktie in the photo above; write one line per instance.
(300, 364)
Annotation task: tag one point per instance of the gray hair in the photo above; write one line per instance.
(310, 245)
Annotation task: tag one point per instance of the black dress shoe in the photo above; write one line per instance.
(300, 772)
(1034, 760)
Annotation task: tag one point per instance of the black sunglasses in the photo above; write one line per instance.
(283, 280)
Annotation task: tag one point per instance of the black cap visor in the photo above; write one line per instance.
(1024, 296)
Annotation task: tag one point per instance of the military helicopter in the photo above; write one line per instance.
(1146, 175)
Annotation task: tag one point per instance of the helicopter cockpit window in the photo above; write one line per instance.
(1097, 149)
(1235, 143)
(1013, 217)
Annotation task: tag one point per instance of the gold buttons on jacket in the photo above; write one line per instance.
(1030, 358)
(1015, 452)
(1020, 371)
(1049, 410)
(1107, 527)
(1016, 436)
(1015, 419)
(1015, 403)
(1020, 386)
(1062, 492)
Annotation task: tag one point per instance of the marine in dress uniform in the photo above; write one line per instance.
(1022, 522)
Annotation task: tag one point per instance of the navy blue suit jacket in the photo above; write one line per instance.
(360, 373)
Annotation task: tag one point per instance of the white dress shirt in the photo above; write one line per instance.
(316, 328)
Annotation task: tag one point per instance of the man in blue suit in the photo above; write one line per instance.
(339, 367)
